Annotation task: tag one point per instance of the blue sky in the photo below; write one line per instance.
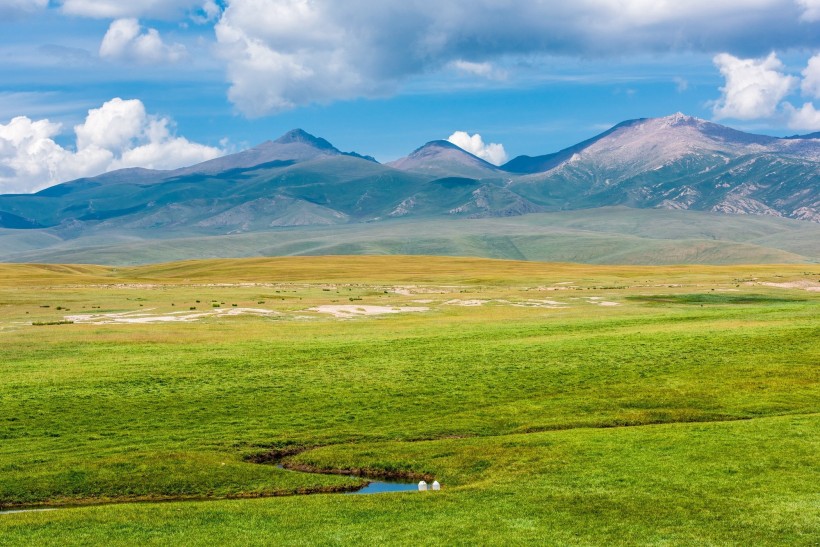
(93, 85)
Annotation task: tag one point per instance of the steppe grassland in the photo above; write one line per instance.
(514, 404)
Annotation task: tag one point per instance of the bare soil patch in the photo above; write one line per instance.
(349, 311)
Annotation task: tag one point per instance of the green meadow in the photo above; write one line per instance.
(555, 403)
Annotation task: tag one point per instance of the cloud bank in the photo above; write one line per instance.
(118, 134)
(286, 53)
(474, 144)
(283, 54)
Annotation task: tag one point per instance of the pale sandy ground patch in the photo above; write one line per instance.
(348, 311)
(804, 284)
(410, 290)
(599, 301)
(552, 304)
(537, 304)
(143, 317)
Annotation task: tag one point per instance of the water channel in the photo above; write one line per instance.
(380, 486)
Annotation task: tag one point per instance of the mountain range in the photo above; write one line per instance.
(299, 180)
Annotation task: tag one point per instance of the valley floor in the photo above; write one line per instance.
(555, 403)
(607, 235)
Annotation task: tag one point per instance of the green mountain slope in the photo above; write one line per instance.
(605, 236)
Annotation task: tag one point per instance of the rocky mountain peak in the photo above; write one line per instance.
(435, 147)
(300, 136)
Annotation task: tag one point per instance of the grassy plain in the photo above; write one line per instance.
(607, 235)
(556, 403)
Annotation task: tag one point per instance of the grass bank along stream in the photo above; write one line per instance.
(512, 402)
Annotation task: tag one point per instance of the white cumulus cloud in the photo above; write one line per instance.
(474, 144)
(118, 134)
(282, 54)
(758, 88)
(811, 10)
(806, 118)
(811, 78)
(754, 87)
(126, 40)
(30, 159)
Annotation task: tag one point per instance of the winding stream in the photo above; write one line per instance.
(380, 486)
(375, 486)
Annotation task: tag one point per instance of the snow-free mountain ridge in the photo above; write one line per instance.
(675, 162)
(442, 158)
